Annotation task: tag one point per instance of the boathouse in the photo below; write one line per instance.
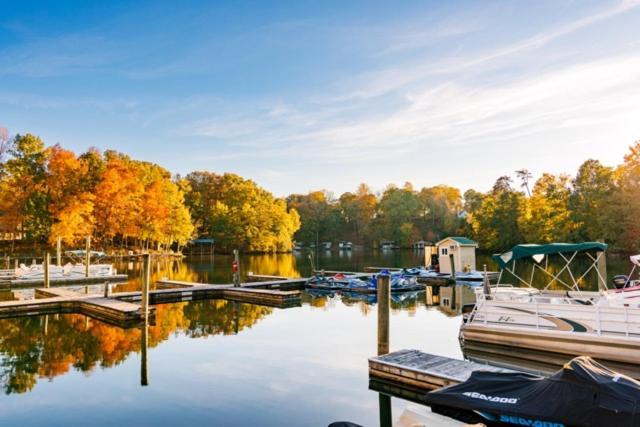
(459, 249)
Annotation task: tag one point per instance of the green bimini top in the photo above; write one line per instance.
(525, 251)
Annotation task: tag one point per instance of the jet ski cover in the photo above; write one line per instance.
(582, 393)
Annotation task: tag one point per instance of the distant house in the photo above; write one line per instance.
(421, 244)
(459, 249)
(327, 245)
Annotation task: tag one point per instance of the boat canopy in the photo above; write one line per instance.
(537, 252)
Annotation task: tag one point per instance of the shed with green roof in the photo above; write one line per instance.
(459, 250)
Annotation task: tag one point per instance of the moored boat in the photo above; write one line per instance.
(603, 324)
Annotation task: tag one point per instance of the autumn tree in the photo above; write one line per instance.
(626, 201)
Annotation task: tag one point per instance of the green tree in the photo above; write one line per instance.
(547, 217)
(592, 201)
(495, 221)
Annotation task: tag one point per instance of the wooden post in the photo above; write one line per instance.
(236, 268)
(452, 262)
(144, 344)
(59, 251)
(87, 256)
(313, 266)
(386, 418)
(384, 298)
(146, 278)
(47, 261)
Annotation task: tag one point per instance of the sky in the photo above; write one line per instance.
(303, 96)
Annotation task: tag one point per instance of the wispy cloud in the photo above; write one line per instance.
(450, 114)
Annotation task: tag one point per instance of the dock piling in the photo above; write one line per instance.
(146, 278)
(384, 297)
(59, 252)
(47, 261)
(144, 344)
(236, 268)
(87, 256)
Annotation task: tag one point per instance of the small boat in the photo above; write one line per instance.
(582, 393)
(426, 273)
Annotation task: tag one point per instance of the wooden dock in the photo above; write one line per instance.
(122, 308)
(248, 292)
(52, 301)
(421, 372)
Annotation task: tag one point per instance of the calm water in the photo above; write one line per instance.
(217, 362)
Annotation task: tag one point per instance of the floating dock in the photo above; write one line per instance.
(418, 372)
(185, 291)
(53, 301)
(121, 309)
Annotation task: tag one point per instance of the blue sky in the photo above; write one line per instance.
(324, 95)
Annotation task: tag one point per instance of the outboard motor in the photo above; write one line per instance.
(620, 281)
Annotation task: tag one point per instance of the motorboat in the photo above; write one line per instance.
(604, 324)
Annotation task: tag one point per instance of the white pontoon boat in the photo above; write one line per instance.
(603, 324)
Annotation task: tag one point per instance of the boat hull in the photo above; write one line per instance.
(621, 349)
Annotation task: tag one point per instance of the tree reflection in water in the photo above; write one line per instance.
(32, 348)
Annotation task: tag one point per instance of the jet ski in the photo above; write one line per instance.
(331, 283)
(582, 393)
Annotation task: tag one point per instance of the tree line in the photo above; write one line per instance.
(50, 193)
(600, 202)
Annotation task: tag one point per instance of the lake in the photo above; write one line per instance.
(217, 362)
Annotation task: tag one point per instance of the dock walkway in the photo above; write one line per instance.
(53, 301)
(423, 372)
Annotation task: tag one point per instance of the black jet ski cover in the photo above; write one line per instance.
(582, 393)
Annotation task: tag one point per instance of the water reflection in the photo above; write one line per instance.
(318, 351)
(34, 348)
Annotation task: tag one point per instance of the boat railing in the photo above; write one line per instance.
(600, 320)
